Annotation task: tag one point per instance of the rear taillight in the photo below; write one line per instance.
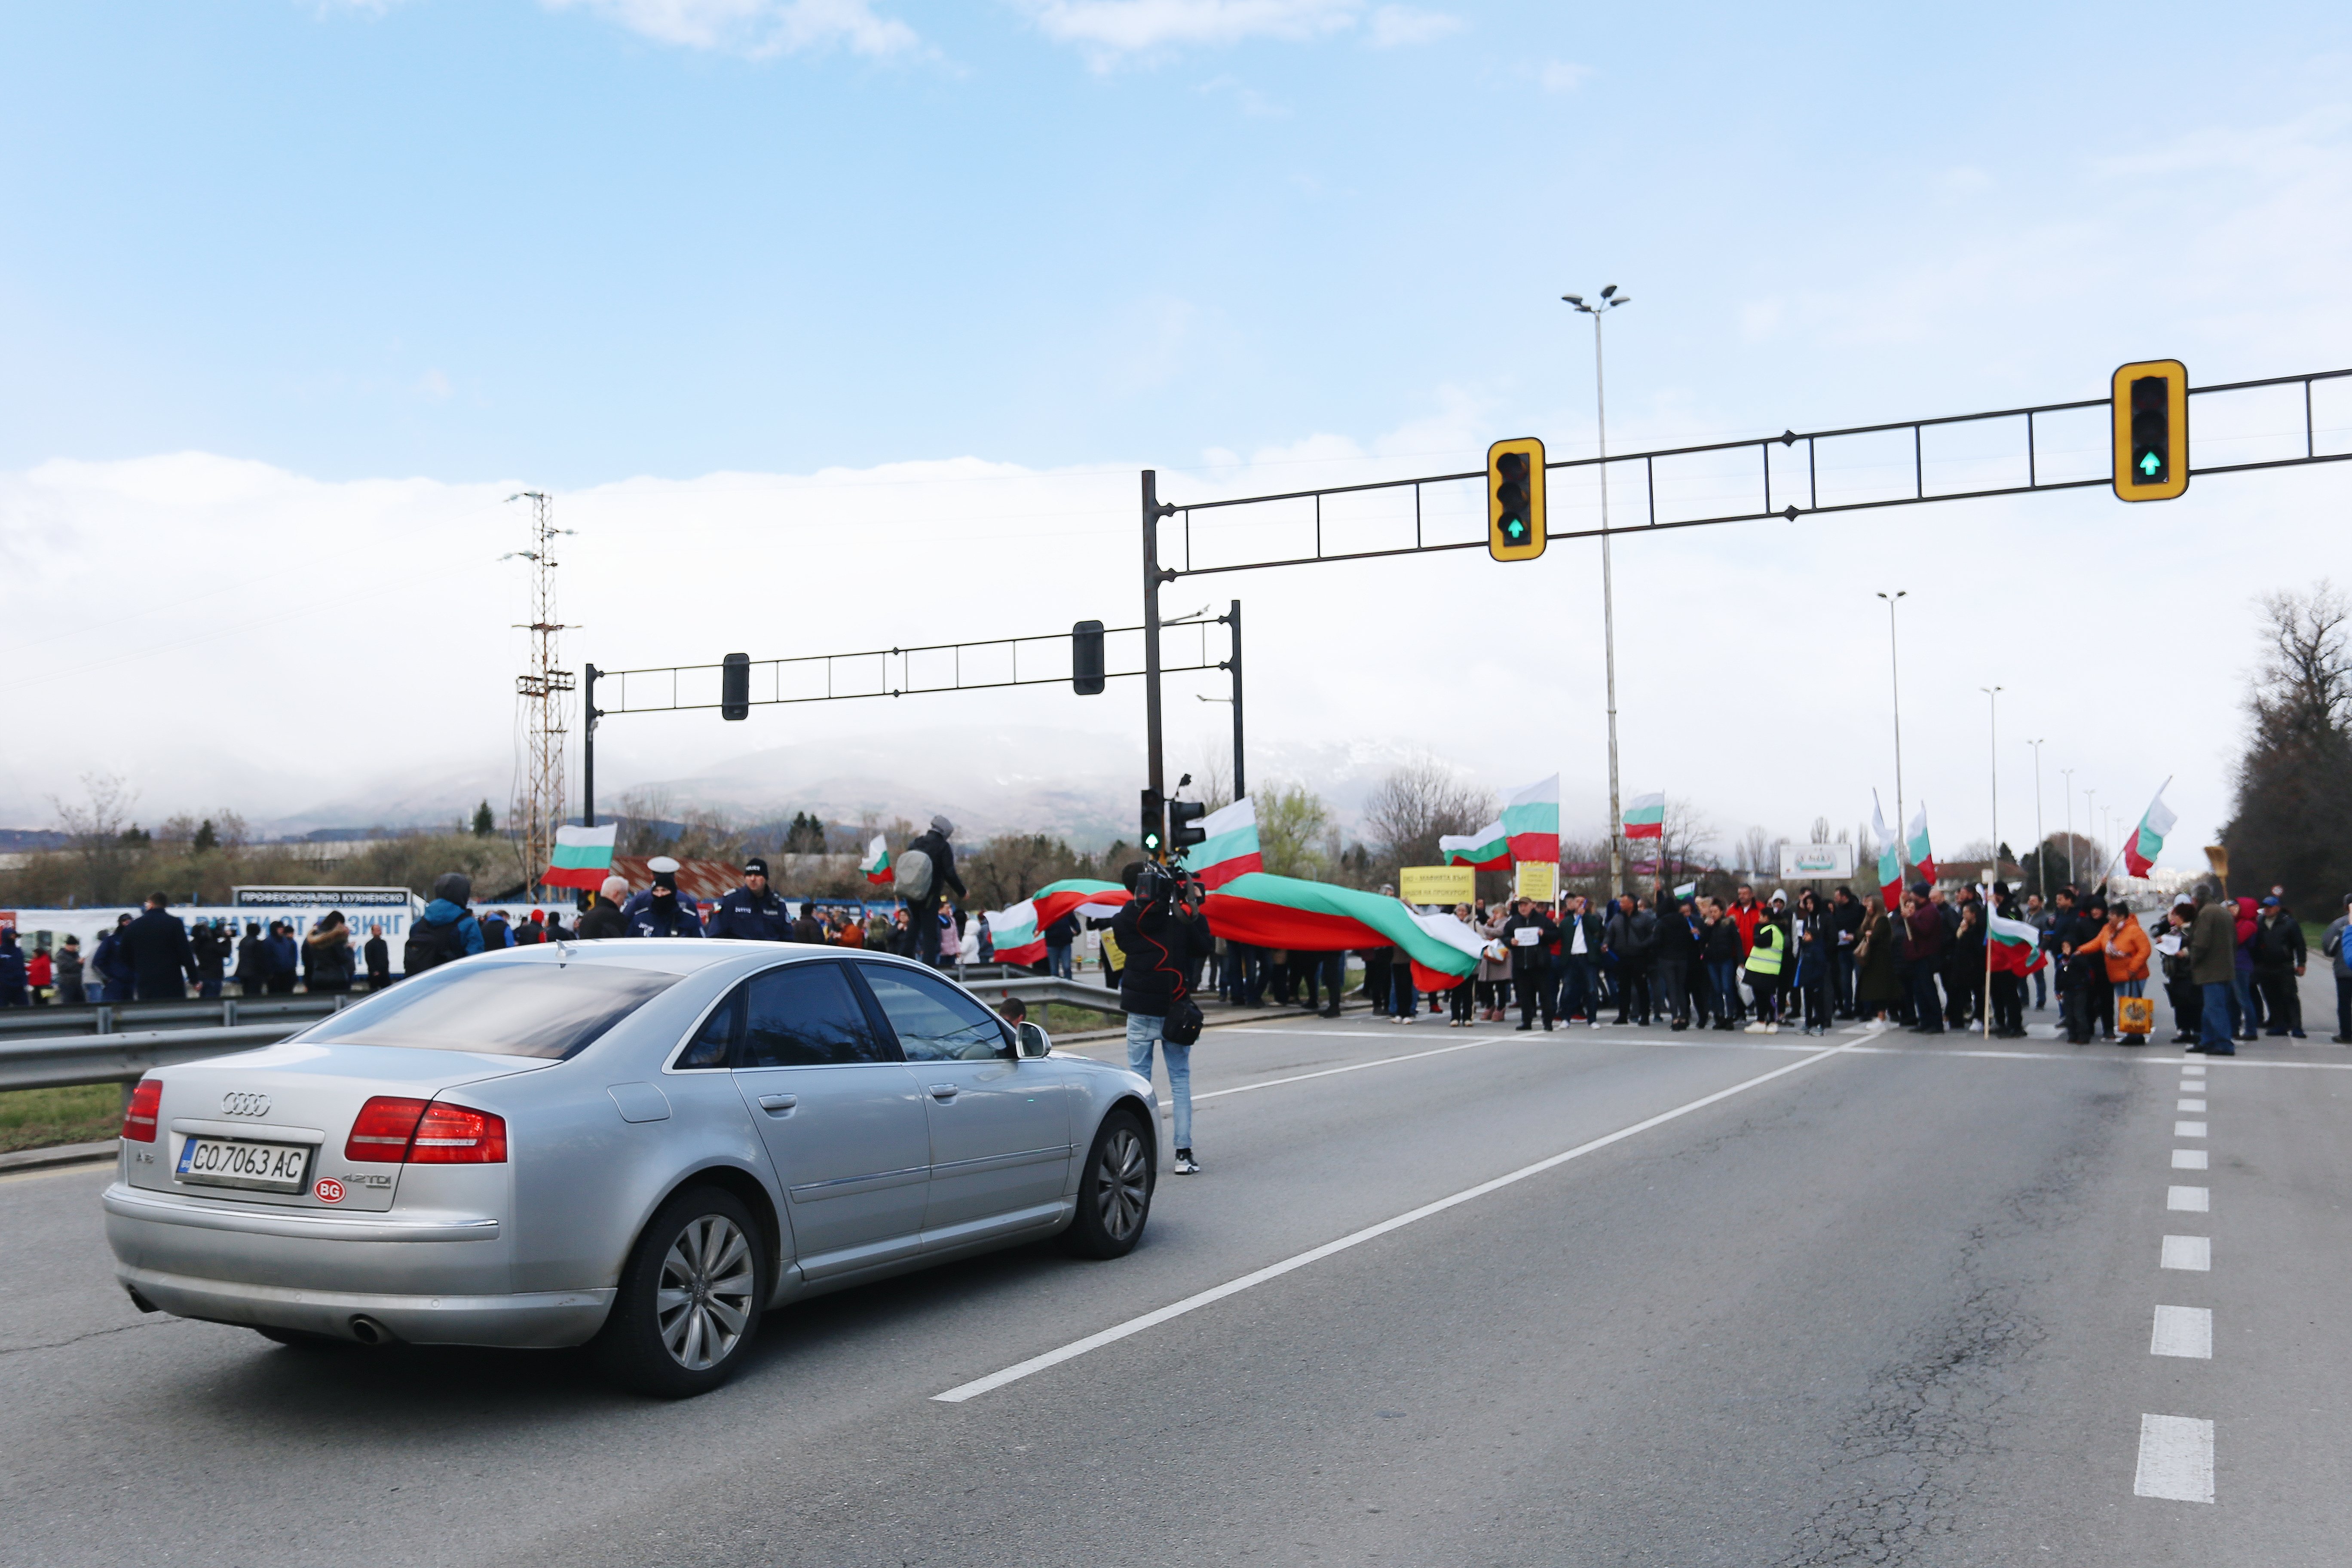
(139, 1116)
(380, 1132)
(455, 1135)
(392, 1131)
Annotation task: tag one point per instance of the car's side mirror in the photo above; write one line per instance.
(1035, 1041)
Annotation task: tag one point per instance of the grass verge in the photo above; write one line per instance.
(45, 1118)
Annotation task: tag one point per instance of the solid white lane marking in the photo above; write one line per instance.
(2189, 1130)
(1327, 1072)
(2189, 1159)
(2196, 1105)
(2176, 1458)
(2183, 1331)
(2194, 1253)
(1118, 1331)
(2189, 1200)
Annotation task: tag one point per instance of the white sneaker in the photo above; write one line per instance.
(1185, 1164)
(1756, 1028)
(1771, 1028)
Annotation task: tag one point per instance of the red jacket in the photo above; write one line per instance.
(1747, 917)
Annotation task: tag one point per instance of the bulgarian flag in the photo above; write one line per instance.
(1531, 822)
(1921, 856)
(1318, 917)
(1489, 848)
(2148, 842)
(877, 864)
(1230, 848)
(1645, 816)
(2016, 945)
(1890, 859)
(584, 857)
(1019, 931)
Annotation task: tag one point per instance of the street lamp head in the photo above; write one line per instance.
(1575, 300)
(1620, 300)
(1605, 293)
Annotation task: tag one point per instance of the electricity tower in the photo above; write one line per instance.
(543, 689)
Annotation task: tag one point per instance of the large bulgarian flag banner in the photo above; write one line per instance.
(1230, 848)
(1531, 823)
(584, 857)
(2147, 842)
(1318, 917)
(1645, 816)
(1488, 849)
(1019, 931)
(1890, 857)
(877, 864)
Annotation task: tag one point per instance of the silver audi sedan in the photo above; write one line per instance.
(637, 1146)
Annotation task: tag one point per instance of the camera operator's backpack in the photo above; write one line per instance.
(912, 872)
(429, 946)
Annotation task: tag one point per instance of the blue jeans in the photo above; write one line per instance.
(1142, 1033)
(2241, 994)
(1576, 998)
(2040, 989)
(2214, 1029)
(1723, 988)
(1057, 962)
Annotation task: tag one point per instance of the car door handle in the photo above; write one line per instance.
(779, 1101)
(943, 1091)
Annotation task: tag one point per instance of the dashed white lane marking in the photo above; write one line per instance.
(2189, 1130)
(2186, 1104)
(1118, 1331)
(2189, 1200)
(2189, 1159)
(2192, 1070)
(2183, 1331)
(2176, 1458)
(2194, 1253)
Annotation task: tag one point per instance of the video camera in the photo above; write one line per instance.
(1172, 883)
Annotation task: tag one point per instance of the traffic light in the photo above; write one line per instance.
(2150, 399)
(1087, 659)
(1514, 500)
(735, 686)
(1154, 831)
(1183, 823)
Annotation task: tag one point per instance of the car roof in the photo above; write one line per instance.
(681, 956)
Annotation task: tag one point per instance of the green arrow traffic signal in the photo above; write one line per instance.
(2148, 465)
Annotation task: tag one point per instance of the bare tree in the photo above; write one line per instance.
(100, 836)
(2289, 826)
(1417, 805)
(1213, 776)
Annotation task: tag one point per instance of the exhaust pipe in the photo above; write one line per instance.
(142, 1302)
(368, 1332)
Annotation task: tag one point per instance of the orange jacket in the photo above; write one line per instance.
(2127, 950)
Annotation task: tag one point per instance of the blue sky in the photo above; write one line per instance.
(295, 294)
(677, 235)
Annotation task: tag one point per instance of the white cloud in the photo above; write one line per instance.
(1561, 76)
(1113, 27)
(756, 27)
(1399, 26)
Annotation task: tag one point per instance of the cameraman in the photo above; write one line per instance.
(1163, 939)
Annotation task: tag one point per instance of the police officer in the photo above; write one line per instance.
(751, 912)
(658, 910)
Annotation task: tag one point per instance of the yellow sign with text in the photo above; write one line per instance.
(1447, 885)
(1536, 879)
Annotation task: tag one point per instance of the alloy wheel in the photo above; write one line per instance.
(1122, 1184)
(703, 1300)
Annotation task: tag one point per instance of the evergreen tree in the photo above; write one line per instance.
(484, 824)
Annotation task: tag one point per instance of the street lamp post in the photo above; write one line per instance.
(1894, 673)
(2068, 791)
(2090, 815)
(1609, 301)
(2041, 845)
(1993, 755)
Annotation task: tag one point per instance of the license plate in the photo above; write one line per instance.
(235, 1163)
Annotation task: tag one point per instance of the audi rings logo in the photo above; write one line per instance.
(245, 1105)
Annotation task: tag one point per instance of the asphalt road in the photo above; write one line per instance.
(1896, 1304)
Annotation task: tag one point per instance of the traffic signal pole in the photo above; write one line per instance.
(1233, 619)
(1155, 744)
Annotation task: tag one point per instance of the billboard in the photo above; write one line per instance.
(1820, 862)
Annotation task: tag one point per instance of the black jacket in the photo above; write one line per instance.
(156, 943)
(2278, 946)
(1719, 942)
(753, 917)
(377, 954)
(934, 844)
(602, 920)
(1672, 939)
(1063, 933)
(1162, 949)
(646, 915)
(1531, 958)
(1631, 937)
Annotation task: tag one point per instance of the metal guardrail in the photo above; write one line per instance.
(118, 1018)
(59, 1061)
(1042, 989)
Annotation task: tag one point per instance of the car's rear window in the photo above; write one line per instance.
(547, 1010)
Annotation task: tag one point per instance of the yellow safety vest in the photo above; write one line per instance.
(1765, 957)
